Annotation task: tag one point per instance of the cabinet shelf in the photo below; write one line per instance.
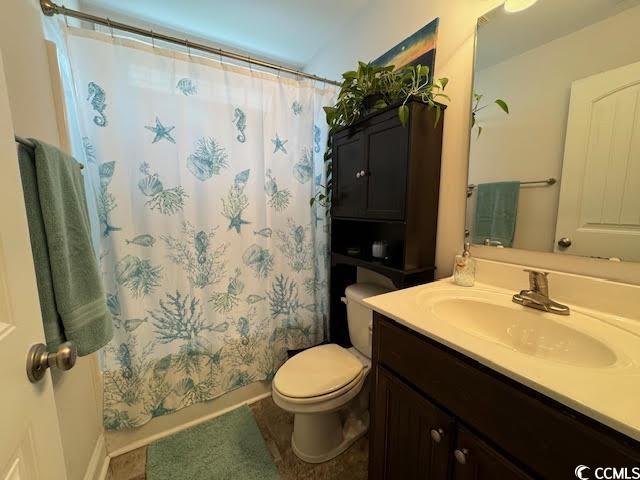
(399, 277)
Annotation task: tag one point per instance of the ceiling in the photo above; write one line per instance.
(287, 31)
(502, 35)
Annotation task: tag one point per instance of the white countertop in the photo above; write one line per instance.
(610, 394)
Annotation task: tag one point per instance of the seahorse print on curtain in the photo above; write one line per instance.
(213, 263)
(97, 98)
(203, 262)
(296, 246)
(240, 121)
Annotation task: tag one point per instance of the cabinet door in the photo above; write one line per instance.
(475, 460)
(386, 171)
(412, 439)
(348, 183)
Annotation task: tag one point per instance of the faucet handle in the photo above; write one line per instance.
(538, 281)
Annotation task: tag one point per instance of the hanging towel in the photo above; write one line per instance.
(496, 212)
(72, 298)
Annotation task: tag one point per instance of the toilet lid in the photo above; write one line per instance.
(317, 371)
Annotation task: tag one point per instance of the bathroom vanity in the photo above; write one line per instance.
(451, 398)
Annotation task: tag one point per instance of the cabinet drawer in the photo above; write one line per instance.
(533, 429)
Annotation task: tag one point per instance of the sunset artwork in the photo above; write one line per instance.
(419, 48)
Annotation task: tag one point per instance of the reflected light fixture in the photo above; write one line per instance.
(513, 6)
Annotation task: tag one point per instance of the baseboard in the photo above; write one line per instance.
(99, 462)
(119, 443)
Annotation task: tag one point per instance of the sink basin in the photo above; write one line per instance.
(527, 331)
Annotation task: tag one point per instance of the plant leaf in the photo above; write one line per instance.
(380, 104)
(403, 114)
(502, 104)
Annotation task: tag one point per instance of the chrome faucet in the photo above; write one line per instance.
(538, 295)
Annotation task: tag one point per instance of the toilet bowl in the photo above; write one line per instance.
(326, 387)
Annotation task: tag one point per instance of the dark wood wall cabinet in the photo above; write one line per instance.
(386, 181)
(437, 414)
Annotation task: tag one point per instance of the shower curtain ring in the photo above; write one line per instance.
(220, 55)
(110, 26)
(153, 39)
(66, 19)
(250, 63)
(186, 43)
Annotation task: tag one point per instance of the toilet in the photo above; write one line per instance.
(326, 387)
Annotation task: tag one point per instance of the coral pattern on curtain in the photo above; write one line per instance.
(213, 260)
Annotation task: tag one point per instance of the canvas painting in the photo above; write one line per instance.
(419, 48)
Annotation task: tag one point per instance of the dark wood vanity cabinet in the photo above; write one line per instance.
(437, 414)
(407, 424)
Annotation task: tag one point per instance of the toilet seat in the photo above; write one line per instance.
(321, 372)
(323, 398)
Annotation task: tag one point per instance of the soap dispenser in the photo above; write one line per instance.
(464, 268)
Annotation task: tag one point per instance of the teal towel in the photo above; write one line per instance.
(496, 212)
(72, 299)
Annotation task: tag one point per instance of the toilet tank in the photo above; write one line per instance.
(360, 316)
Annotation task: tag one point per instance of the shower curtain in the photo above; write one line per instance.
(214, 262)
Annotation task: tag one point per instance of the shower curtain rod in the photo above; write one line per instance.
(50, 8)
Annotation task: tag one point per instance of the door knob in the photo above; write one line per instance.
(437, 434)
(564, 242)
(38, 359)
(461, 455)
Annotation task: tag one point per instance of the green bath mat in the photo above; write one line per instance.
(226, 448)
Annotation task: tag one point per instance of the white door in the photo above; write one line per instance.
(30, 446)
(599, 208)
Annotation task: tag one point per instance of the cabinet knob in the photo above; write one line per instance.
(357, 174)
(362, 173)
(461, 455)
(437, 434)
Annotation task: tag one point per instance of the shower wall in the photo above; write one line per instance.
(33, 109)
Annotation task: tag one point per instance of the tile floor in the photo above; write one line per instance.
(276, 426)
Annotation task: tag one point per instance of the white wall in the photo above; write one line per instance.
(528, 144)
(384, 24)
(32, 107)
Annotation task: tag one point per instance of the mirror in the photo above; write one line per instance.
(554, 157)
